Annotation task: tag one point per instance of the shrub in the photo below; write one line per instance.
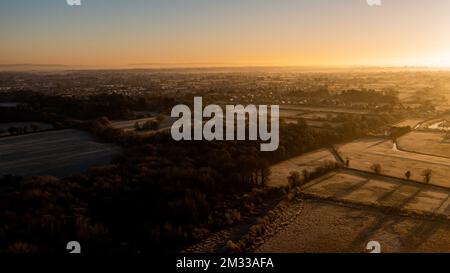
(376, 168)
(427, 175)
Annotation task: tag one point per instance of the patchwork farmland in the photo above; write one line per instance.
(346, 208)
(324, 227)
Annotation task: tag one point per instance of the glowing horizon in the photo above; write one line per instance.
(114, 33)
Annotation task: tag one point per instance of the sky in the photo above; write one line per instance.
(225, 33)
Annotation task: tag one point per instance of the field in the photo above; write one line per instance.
(322, 124)
(57, 153)
(435, 124)
(319, 115)
(425, 142)
(10, 104)
(309, 161)
(290, 121)
(357, 187)
(289, 113)
(346, 209)
(307, 109)
(128, 125)
(413, 123)
(324, 227)
(364, 153)
(314, 117)
(439, 126)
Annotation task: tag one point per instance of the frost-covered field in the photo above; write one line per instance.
(354, 217)
(425, 142)
(351, 186)
(309, 161)
(413, 123)
(330, 227)
(129, 125)
(58, 153)
(363, 153)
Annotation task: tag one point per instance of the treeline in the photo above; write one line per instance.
(397, 132)
(322, 94)
(368, 96)
(21, 130)
(111, 105)
(20, 113)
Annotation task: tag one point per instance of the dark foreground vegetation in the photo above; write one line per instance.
(160, 195)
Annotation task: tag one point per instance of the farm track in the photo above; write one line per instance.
(336, 154)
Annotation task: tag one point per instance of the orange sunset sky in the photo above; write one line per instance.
(226, 33)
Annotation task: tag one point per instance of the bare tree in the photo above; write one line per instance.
(34, 127)
(427, 175)
(376, 168)
(137, 126)
(294, 179)
(408, 175)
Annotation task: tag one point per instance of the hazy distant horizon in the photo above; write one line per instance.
(208, 67)
(116, 33)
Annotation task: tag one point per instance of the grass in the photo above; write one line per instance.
(409, 122)
(364, 153)
(425, 142)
